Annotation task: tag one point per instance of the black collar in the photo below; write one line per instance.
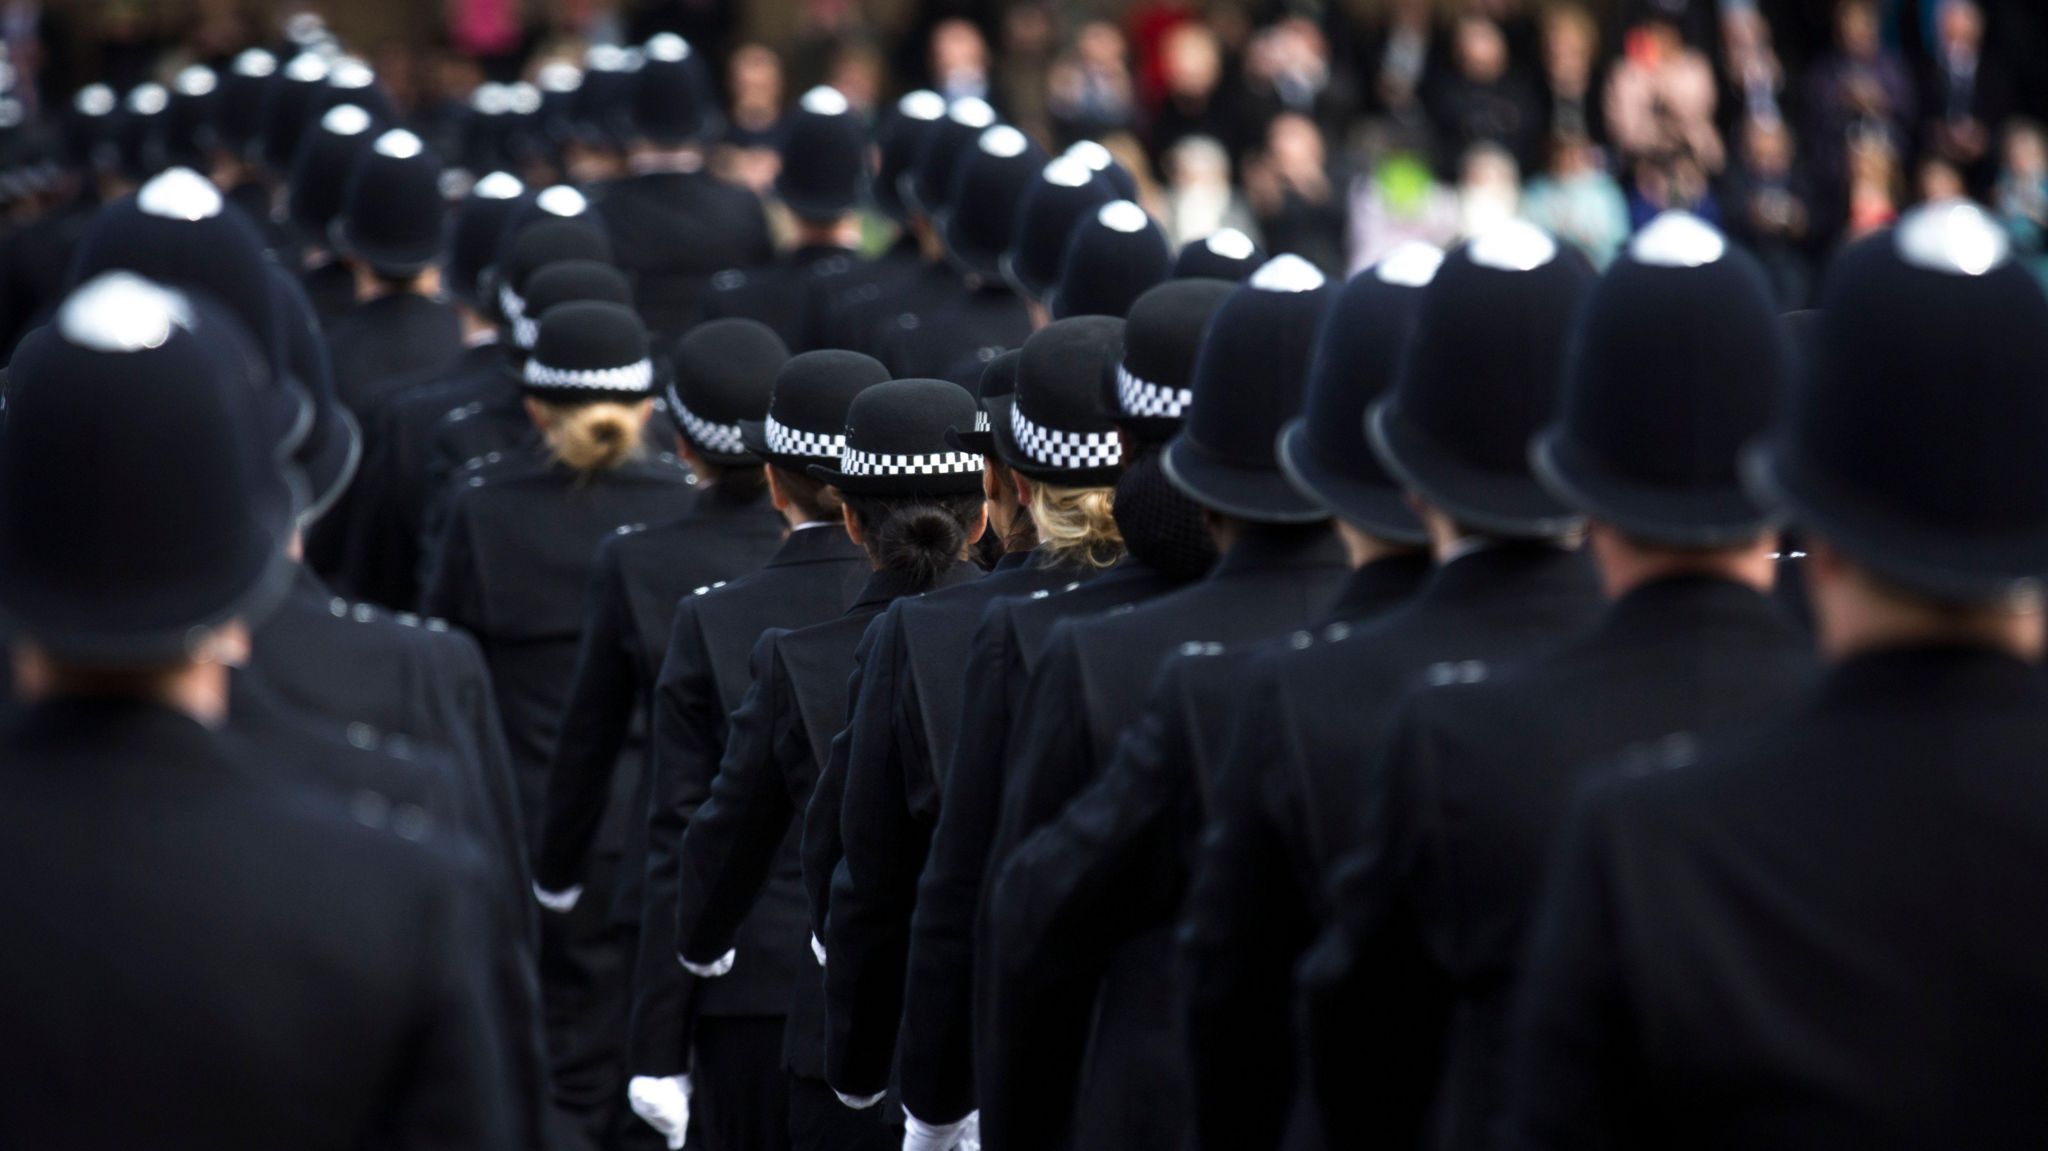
(1935, 677)
(1661, 610)
(827, 544)
(1263, 549)
(1382, 585)
(1482, 575)
(885, 587)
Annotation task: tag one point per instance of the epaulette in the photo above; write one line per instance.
(831, 266)
(1194, 649)
(467, 411)
(1674, 751)
(908, 321)
(707, 589)
(628, 529)
(730, 280)
(1454, 671)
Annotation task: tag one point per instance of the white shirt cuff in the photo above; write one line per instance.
(860, 1102)
(818, 949)
(563, 901)
(713, 969)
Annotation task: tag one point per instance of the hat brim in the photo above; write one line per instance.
(754, 433)
(1679, 518)
(1506, 504)
(1945, 564)
(1006, 266)
(1260, 494)
(673, 402)
(329, 460)
(903, 487)
(980, 443)
(1376, 508)
(392, 260)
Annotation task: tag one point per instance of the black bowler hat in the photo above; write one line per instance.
(142, 130)
(672, 100)
(190, 134)
(1057, 426)
(1914, 441)
(131, 574)
(565, 282)
(558, 82)
(896, 442)
(351, 81)
(806, 421)
(532, 241)
(602, 112)
(981, 210)
(1481, 377)
(244, 89)
(1678, 361)
(288, 109)
(1065, 191)
(824, 157)
(926, 185)
(997, 381)
(587, 352)
(178, 230)
(1153, 386)
(327, 155)
(723, 373)
(333, 447)
(1103, 163)
(1225, 255)
(1113, 256)
(393, 216)
(902, 141)
(92, 129)
(1249, 377)
(1324, 450)
(473, 238)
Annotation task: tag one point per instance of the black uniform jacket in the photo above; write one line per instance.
(1094, 893)
(815, 574)
(901, 737)
(784, 293)
(740, 837)
(956, 339)
(1091, 684)
(936, 1044)
(258, 968)
(628, 607)
(386, 343)
(1413, 980)
(672, 231)
(1829, 933)
(1287, 791)
(515, 557)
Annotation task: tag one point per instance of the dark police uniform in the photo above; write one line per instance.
(673, 231)
(383, 344)
(784, 292)
(957, 338)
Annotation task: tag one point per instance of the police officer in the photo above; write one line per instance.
(674, 223)
(914, 502)
(1059, 451)
(126, 674)
(712, 1050)
(1111, 257)
(847, 309)
(1065, 192)
(1225, 255)
(1282, 566)
(1824, 924)
(1480, 376)
(1167, 546)
(318, 179)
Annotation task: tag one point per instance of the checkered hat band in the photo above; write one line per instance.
(981, 423)
(510, 303)
(525, 332)
(1144, 398)
(1064, 451)
(855, 462)
(784, 440)
(629, 378)
(725, 439)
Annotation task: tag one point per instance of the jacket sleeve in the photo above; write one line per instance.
(1374, 1004)
(936, 1068)
(687, 740)
(821, 848)
(728, 852)
(451, 583)
(602, 695)
(885, 826)
(1049, 762)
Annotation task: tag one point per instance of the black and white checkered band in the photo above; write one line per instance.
(855, 462)
(628, 378)
(1066, 451)
(725, 439)
(525, 331)
(784, 440)
(510, 303)
(981, 423)
(1144, 398)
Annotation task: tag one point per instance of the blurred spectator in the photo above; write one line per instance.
(1859, 89)
(1196, 102)
(1876, 185)
(1756, 79)
(1770, 210)
(1661, 97)
(860, 73)
(1936, 179)
(1968, 94)
(1670, 182)
(1287, 68)
(959, 60)
(1394, 60)
(1089, 92)
(1489, 189)
(1400, 200)
(754, 88)
(1481, 100)
(1292, 195)
(1576, 200)
(2021, 197)
(1200, 199)
(1024, 65)
(1571, 53)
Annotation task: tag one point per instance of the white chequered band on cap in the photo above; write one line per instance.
(855, 462)
(981, 423)
(724, 439)
(628, 378)
(1149, 400)
(784, 440)
(1067, 451)
(510, 303)
(525, 329)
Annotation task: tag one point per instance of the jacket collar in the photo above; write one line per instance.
(1479, 576)
(1381, 586)
(825, 544)
(717, 499)
(1279, 550)
(1935, 677)
(1659, 611)
(884, 587)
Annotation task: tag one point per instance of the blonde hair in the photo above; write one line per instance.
(1076, 525)
(594, 437)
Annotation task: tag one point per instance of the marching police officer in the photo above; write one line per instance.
(712, 1049)
(1225, 255)
(1065, 191)
(1112, 257)
(1829, 941)
(914, 502)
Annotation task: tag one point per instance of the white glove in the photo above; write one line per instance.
(562, 902)
(919, 1135)
(818, 949)
(664, 1102)
(860, 1102)
(713, 969)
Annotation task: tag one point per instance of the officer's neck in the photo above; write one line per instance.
(841, 233)
(1856, 613)
(194, 688)
(1626, 564)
